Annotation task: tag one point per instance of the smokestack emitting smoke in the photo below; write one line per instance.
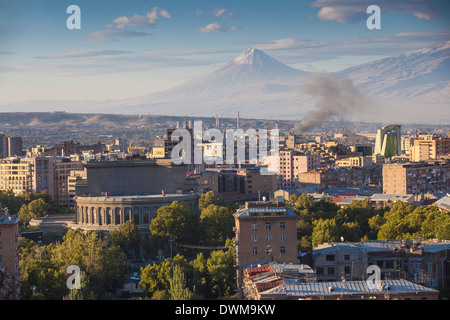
(335, 97)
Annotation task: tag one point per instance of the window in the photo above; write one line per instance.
(347, 269)
(254, 226)
(319, 270)
(330, 257)
(282, 250)
(254, 251)
(268, 225)
(346, 257)
(268, 237)
(268, 250)
(282, 237)
(282, 225)
(330, 270)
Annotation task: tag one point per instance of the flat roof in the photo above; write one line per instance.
(347, 288)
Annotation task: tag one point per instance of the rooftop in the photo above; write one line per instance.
(264, 209)
(346, 288)
(8, 219)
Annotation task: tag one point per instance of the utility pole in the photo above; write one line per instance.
(171, 240)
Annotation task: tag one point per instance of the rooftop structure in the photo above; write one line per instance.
(350, 290)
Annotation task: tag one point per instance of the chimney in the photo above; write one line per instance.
(237, 124)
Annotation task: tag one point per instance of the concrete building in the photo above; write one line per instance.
(114, 192)
(109, 212)
(388, 141)
(265, 231)
(416, 178)
(138, 177)
(9, 257)
(429, 147)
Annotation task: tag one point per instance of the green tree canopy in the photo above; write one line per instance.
(217, 223)
(209, 198)
(177, 220)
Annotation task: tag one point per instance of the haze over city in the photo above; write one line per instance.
(126, 50)
(224, 152)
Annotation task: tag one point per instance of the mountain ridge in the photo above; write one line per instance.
(415, 85)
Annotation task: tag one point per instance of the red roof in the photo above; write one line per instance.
(263, 286)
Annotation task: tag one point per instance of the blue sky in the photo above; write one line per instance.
(132, 48)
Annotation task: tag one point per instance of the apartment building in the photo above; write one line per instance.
(38, 174)
(416, 178)
(16, 176)
(265, 231)
(9, 257)
(429, 147)
(291, 164)
(342, 177)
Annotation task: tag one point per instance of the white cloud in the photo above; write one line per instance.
(346, 11)
(219, 11)
(149, 19)
(211, 28)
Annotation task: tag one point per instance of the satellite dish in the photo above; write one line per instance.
(264, 198)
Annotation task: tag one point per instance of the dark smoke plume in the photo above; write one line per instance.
(335, 98)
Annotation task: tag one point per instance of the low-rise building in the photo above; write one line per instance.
(350, 290)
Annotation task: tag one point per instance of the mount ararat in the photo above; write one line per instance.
(413, 87)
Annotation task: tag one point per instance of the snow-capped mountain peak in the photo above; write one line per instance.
(253, 56)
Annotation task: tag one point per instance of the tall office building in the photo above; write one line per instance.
(3, 146)
(15, 147)
(388, 141)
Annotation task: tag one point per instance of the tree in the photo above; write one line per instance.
(128, 238)
(177, 220)
(200, 277)
(217, 223)
(177, 282)
(220, 266)
(210, 198)
(324, 231)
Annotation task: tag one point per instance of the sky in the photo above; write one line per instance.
(132, 48)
